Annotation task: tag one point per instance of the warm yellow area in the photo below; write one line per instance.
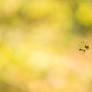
(40, 46)
(84, 13)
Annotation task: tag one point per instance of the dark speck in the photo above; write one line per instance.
(86, 46)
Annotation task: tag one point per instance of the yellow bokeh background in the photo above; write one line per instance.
(39, 46)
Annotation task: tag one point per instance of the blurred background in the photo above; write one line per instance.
(39, 45)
